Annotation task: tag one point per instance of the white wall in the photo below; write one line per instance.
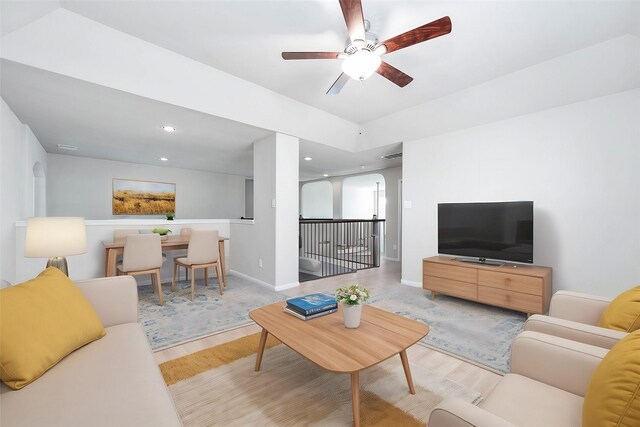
(316, 200)
(35, 153)
(392, 176)
(19, 151)
(248, 198)
(82, 186)
(12, 186)
(579, 163)
(358, 196)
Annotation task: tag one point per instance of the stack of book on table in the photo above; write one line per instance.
(311, 306)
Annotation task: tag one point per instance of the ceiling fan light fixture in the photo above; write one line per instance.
(361, 64)
(359, 43)
(380, 50)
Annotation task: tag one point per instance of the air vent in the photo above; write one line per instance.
(67, 147)
(392, 156)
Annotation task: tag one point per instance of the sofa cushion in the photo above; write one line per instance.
(623, 313)
(42, 321)
(110, 382)
(529, 403)
(613, 395)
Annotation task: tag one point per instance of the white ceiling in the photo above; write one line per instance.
(109, 124)
(245, 38)
(490, 39)
(333, 161)
(17, 13)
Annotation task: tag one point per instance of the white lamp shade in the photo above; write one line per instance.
(361, 65)
(55, 237)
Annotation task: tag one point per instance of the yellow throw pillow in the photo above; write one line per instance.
(623, 313)
(42, 321)
(613, 394)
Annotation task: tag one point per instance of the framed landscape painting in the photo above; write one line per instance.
(131, 197)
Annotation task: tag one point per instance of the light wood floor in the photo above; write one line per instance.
(376, 280)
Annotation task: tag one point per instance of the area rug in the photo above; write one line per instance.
(478, 333)
(181, 319)
(218, 386)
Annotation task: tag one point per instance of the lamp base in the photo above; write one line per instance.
(60, 263)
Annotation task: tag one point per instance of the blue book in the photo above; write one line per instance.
(311, 316)
(314, 303)
(303, 313)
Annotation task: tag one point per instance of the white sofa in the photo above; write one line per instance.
(113, 381)
(546, 387)
(575, 316)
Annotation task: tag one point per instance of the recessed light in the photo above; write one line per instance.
(325, 175)
(164, 159)
(168, 128)
(67, 147)
(308, 158)
(362, 166)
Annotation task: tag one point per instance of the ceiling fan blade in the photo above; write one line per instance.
(429, 31)
(310, 55)
(337, 86)
(354, 18)
(394, 75)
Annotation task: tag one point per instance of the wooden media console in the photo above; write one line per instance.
(515, 286)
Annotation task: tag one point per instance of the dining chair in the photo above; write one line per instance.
(202, 253)
(121, 234)
(185, 232)
(149, 231)
(143, 255)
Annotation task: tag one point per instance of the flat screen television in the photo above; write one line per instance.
(496, 230)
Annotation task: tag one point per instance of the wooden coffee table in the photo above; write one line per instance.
(327, 343)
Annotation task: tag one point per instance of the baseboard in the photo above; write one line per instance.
(391, 259)
(251, 279)
(287, 286)
(410, 283)
(265, 284)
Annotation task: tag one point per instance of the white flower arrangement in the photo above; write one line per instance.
(352, 295)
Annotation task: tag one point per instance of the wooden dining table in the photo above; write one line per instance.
(170, 243)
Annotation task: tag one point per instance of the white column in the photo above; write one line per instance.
(267, 250)
(286, 211)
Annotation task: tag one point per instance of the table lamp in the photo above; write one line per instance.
(55, 238)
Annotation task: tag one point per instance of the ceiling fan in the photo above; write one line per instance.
(363, 51)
